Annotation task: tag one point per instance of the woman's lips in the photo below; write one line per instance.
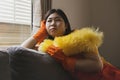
(52, 29)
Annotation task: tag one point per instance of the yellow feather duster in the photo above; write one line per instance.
(44, 45)
(81, 40)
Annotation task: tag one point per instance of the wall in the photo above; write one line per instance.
(78, 11)
(100, 13)
(106, 15)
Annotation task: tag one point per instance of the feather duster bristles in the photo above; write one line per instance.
(85, 39)
(44, 45)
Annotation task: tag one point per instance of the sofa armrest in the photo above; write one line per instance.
(4, 65)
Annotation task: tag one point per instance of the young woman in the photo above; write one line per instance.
(81, 67)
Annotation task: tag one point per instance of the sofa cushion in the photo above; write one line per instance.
(27, 64)
(4, 66)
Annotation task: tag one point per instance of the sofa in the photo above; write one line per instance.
(4, 65)
(17, 63)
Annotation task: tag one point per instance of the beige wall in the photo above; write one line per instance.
(106, 15)
(100, 13)
(78, 11)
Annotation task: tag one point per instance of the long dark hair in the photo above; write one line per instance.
(63, 15)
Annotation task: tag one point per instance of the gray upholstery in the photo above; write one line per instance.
(4, 66)
(27, 64)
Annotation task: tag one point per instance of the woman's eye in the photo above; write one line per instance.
(49, 21)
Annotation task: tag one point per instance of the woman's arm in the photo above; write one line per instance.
(29, 43)
(87, 62)
(38, 37)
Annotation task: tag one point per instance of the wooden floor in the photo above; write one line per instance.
(11, 34)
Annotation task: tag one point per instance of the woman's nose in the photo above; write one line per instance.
(53, 22)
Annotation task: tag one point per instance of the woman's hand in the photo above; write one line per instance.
(41, 33)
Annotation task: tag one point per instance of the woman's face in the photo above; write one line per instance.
(55, 25)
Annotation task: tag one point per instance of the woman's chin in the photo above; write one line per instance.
(55, 35)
